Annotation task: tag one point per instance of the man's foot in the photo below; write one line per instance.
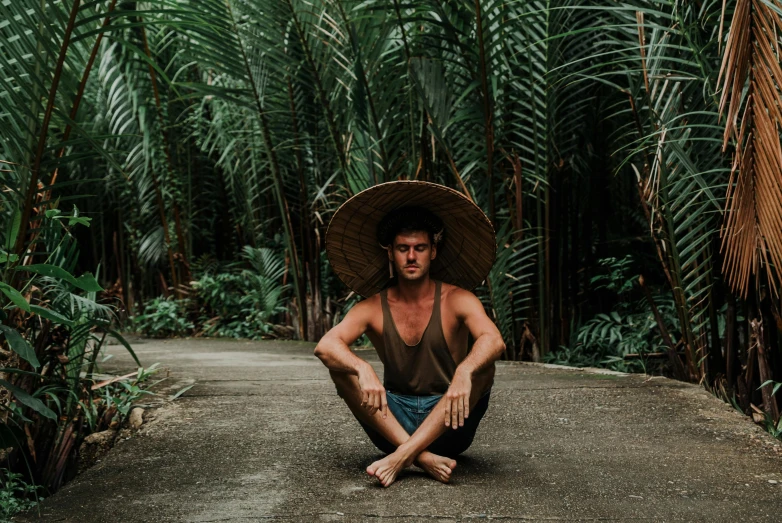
(439, 467)
(388, 468)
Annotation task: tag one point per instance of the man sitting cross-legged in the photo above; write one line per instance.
(435, 391)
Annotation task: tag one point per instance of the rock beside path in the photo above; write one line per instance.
(94, 447)
(136, 418)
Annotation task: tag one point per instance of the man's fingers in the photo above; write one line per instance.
(364, 398)
(466, 407)
(455, 415)
(460, 410)
(447, 411)
(384, 404)
(376, 403)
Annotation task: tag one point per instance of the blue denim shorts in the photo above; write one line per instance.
(410, 412)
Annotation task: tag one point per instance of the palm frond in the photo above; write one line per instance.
(750, 75)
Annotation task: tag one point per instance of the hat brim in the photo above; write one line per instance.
(464, 259)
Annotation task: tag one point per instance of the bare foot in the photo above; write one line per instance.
(388, 468)
(439, 467)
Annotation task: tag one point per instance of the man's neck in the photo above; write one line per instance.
(414, 291)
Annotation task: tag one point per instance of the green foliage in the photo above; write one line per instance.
(775, 429)
(118, 398)
(618, 277)
(52, 320)
(242, 303)
(233, 311)
(23, 399)
(607, 338)
(777, 385)
(630, 328)
(510, 276)
(163, 318)
(15, 495)
(577, 356)
(235, 301)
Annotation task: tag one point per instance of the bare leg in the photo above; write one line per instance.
(438, 467)
(432, 428)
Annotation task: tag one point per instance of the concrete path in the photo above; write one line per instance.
(263, 436)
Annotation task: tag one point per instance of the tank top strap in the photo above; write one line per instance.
(388, 329)
(434, 336)
(384, 303)
(438, 285)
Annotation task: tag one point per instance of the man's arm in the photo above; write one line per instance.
(488, 348)
(334, 351)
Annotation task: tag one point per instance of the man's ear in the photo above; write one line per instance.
(434, 252)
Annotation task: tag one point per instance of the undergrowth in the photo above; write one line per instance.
(16, 495)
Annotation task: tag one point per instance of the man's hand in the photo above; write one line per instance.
(373, 394)
(457, 400)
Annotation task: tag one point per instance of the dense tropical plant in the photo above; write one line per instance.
(53, 325)
(163, 318)
(242, 303)
(55, 329)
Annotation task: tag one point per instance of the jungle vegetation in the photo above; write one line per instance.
(171, 166)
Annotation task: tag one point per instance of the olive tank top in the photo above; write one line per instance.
(422, 369)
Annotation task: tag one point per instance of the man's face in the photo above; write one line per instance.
(412, 254)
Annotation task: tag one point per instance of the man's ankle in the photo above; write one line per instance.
(421, 455)
(408, 453)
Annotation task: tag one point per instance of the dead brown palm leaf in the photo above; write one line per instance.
(752, 230)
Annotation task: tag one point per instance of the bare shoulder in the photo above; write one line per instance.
(460, 301)
(468, 309)
(357, 321)
(366, 307)
(455, 293)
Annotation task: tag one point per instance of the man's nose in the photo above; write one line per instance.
(411, 254)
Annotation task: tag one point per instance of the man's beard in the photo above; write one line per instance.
(420, 273)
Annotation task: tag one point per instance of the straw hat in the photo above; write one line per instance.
(464, 259)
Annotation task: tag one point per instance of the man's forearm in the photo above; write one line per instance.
(486, 350)
(338, 357)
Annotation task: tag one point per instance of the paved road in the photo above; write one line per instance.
(262, 436)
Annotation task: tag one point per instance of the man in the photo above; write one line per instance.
(435, 388)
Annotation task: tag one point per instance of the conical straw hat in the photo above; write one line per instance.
(464, 259)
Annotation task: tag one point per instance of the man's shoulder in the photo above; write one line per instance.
(455, 293)
(369, 303)
(363, 312)
(458, 301)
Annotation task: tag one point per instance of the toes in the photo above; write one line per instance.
(386, 479)
(452, 464)
(441, 471)
(377, 469)
(382, 475)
